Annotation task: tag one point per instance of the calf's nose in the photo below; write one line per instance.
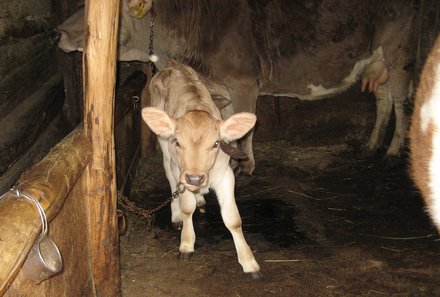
(195, 180)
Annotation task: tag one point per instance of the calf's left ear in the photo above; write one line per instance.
(237, 125)
(159, 121)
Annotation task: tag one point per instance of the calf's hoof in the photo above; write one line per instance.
(185, 256)
(177, 226)
(256, 275)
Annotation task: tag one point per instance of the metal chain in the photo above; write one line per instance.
(147, 213)
(150, 46)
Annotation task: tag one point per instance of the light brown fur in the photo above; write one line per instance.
(189, 128)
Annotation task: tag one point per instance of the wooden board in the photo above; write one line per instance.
(21, 128)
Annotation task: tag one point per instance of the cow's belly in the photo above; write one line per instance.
(310, 78)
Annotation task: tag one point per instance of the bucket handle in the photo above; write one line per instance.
(40, 209)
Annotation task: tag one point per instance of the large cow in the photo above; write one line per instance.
(425, 135)
(309, 49)
(191, 132)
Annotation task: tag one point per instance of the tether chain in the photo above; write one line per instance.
(151, 55)
(147, 213)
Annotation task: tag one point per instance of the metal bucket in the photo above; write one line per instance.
(43, 261)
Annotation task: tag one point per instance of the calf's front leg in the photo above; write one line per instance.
(231, 218)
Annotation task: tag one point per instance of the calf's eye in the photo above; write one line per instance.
(176, 143)
(216, 144)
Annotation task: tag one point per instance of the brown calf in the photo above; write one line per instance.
(190, 129)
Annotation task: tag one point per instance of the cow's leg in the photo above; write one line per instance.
(384, 104)
(244, 93)
(201, 203)
(400, 79)
(397, 143)
(231, 218)
(187, 237)
(176, 214)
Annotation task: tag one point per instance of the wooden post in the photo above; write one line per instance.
(99, 73)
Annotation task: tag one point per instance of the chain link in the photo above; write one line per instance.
(151, 45)
(147, 214)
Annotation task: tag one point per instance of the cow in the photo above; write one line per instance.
(424, 135)
(310, 50)
(191, 135)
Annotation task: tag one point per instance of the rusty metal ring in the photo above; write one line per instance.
(180, 188)
(122, 224)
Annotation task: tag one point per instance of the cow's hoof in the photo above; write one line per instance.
(177, 225)
(256, 275)
(185, 256)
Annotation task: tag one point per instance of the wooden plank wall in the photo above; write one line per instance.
(31, 91)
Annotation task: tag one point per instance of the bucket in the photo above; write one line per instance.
(43, 261)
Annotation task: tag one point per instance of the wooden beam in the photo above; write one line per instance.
(53, 133)
(28, 120)
(99, 73)
(49, 182)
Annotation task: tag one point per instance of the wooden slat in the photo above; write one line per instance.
(25, 64)
(99, 72)
(30, 118)
(49, 182)
(54, 132)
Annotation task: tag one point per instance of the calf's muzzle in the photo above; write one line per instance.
(194, 179)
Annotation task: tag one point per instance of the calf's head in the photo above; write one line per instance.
(193, 140)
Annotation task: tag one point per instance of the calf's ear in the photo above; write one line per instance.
(159, 122)
(237, 125)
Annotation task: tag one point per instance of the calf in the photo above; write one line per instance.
(191, 132)
(425, 135)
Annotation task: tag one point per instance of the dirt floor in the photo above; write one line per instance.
(320, 221)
